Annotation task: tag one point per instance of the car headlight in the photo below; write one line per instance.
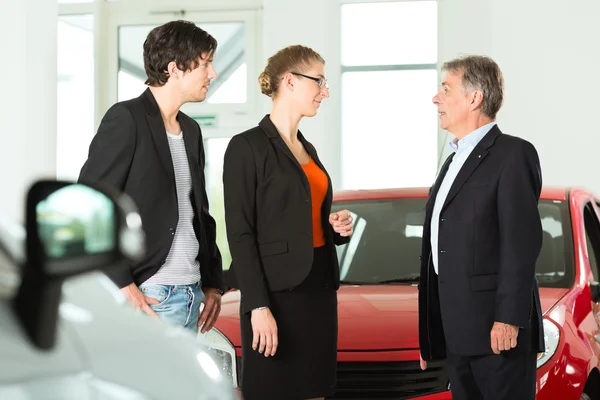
(551, 339)
(222, 352)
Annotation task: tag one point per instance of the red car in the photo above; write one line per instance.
(378, 349)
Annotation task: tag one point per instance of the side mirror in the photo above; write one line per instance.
(595, 289)
(71, 229)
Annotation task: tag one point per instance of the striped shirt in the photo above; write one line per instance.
(181, 266)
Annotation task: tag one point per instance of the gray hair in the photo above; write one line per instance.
(483, 74)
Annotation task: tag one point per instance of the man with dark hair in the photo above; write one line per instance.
(150, 150)
(479, 303)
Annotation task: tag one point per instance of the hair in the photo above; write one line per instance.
(179, 41)
(483, 74)
(294, 58)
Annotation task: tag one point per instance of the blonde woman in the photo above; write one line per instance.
(282, 238)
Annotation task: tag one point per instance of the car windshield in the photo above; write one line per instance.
(386, 243)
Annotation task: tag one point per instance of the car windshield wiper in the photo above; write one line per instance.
(401, 279)
(356, 283)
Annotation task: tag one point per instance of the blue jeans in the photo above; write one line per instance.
(179, 304)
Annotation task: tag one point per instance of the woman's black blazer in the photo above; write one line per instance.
(268, 214)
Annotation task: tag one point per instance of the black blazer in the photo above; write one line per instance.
(490, 236)
(268, 214)
(131, 153)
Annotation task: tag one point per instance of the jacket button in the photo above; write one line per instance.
(172, 231)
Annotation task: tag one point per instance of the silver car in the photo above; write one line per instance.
(65, 331)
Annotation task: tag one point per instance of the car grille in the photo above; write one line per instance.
(389, 380)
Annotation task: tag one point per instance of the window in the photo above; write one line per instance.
(554, 264)
(75, 93)
(229, 87)
(592, 236)
(389, 76)
(214, 150)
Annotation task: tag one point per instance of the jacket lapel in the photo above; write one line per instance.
(465, 172)
(192, 148)
(438, 182)
(313, 154)
(191, 139)
(269, 128)
(159, 133)
(434, 191)
(475, 158)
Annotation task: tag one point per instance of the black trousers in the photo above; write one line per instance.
(508, 376)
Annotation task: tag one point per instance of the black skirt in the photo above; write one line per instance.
(304, 365)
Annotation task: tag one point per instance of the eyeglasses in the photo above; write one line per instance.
(320, 81)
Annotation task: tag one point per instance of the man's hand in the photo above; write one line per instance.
(134, 296)
(341, 222)
(264, 329)
(211, 311)
(423, 363)
(503, 337)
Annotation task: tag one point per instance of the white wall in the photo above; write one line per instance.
(316, 24)
(549, 54)
(27, 99)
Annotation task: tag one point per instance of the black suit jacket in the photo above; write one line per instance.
(131, 152)
(268, 213)
(490, 236)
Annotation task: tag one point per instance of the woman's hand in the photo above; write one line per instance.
(264, 329)
(341, 222)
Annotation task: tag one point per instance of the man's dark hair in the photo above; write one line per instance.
(179, 41)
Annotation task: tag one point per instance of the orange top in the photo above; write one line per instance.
(318, 189)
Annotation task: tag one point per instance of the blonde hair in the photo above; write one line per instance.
(296, 58)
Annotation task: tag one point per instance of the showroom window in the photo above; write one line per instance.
(230, 86)
(389, 76)
(75, 93)
(214, 149)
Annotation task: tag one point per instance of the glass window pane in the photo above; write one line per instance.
(230, 61)
(75, 93)
(130, 85)
(389, 33)
(233, 89)
(214, 149)
(389, 129)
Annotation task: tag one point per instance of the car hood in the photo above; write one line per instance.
(132, 349)
(371, 317)
(108, 348)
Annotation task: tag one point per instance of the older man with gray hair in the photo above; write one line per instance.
(479, 303)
